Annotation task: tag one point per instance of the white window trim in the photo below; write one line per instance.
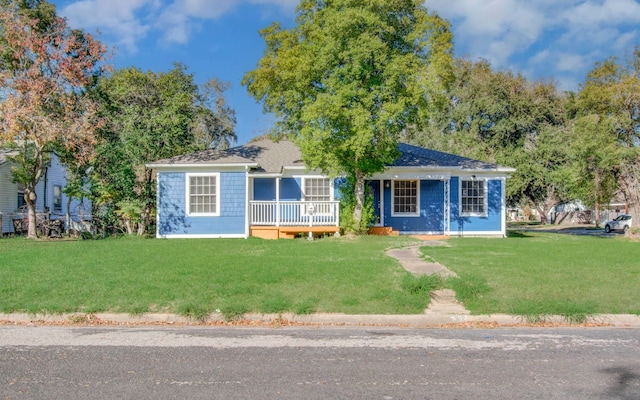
(393, 197)
(486, 196)
(188, 193)
(303, 196)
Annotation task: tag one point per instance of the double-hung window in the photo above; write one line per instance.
(57, 198)
(406, 198)
(473, 197)
(318, 192)
(21, 203)
(203, 194)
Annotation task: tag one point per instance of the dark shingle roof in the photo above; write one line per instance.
(413, 156)
(272, 157)
(5, 154)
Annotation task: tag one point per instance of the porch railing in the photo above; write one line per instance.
(295, 213)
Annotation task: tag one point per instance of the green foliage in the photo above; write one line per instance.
(469, 288)
(347, 205)
(194, 311)
(501, 117)
(421, 285)
(234, 311)
(278, 303)
(349, 78)
(306, 306)
(539, 311)
(607, 109)
(153, 116)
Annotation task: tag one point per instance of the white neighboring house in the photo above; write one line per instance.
(50, 195)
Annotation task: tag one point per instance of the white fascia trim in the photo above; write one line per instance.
(180, 167)
(202, 236)
(411, 174)
(274, 175)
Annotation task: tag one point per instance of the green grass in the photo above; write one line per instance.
(197, 277)
(534, 274)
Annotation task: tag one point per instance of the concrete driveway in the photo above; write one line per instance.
(580, 230)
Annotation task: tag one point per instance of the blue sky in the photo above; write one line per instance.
(554, 39)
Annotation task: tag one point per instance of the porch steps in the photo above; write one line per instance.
(383, 231)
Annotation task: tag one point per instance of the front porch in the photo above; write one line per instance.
(289, 219)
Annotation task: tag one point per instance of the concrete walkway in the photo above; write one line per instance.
(443, 305)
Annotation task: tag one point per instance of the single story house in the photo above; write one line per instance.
(51, 200)
(264, 189)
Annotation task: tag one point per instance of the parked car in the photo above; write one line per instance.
(621, 223)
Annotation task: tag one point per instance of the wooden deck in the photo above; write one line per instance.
(290, 232)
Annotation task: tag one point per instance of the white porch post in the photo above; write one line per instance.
(503, 187)
(249, 190)
(447, 206)
(278, 201)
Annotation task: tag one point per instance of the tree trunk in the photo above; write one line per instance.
(30, 198)
(359, 196)
(128, 225)
(144, 220)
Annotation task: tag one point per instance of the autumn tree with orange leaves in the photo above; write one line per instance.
(45, 70)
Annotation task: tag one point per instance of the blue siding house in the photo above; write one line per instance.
(264, 189)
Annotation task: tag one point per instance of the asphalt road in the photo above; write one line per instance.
(318, 363)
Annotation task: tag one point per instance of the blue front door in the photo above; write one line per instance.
(373, 187)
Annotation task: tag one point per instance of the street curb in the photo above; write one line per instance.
(320, 319)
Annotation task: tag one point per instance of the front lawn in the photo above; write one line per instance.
(196, 277)
(535, 274)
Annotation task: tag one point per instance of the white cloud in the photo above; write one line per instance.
(183, 17)
(570, 62)
(117, 18)
(543, 37)
(129, 21)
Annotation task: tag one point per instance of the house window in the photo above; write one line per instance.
(473, 197)
(57, 198)
(203, 194)
(405, 198)
(21, 203)
(318, 190)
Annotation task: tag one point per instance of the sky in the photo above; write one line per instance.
(543, 39)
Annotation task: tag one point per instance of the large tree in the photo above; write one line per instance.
(45, 68)
(153, 116)
(502, 117)
(609, 101)
(349, 78)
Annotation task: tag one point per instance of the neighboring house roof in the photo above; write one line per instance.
(5, 154)
(267, 156)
